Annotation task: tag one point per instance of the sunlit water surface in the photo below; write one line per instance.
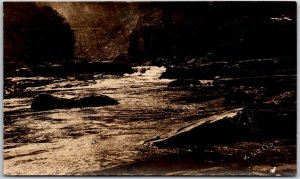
(86, 140)
(77, 140)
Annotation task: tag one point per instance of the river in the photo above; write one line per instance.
(95, 140)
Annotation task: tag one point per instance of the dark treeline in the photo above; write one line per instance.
(220, 30)
(35, 34)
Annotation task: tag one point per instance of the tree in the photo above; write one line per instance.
(35, 34)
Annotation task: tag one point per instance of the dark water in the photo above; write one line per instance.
(109, 140)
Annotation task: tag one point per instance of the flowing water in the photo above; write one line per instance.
(72, 141)
(87, 140)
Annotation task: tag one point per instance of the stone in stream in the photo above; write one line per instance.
(184, 82)
(205, 71)
(275, 117)
(216, 129)
(47, 102)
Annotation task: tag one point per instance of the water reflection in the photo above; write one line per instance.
(87, 140)
(91, 138)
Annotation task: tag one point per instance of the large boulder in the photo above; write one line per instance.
(47, 102)
(232, 126)
(217, 129)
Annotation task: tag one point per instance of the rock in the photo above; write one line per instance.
(216, 81)
(141, 69)
(231, 70)
(257, 67)
(253, 67)
(122, 57)
(287, 98)
(47, 102)
(205, 71)
(18, 87)
(272, 122)
(244, 95)
(274, 82)
(23, 72)
(239, 96)
(232, 126)
(269, 63)
(184, 82)
(216, 129)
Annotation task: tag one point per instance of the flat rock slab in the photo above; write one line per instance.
(214, 129)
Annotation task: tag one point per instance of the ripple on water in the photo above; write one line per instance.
(85, 140)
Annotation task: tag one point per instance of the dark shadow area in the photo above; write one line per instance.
(219, 160)
(214, 30)
(150, 88)
(34, 35)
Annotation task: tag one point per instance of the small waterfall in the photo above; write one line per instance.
(141, 69)
(149, 72)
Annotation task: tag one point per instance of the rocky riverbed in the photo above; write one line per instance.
(121, 139)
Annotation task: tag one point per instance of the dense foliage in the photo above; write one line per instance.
(35, 34)
(218, 30)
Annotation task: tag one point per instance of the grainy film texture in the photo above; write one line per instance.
(150, 88)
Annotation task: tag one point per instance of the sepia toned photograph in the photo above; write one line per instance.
(201, 88)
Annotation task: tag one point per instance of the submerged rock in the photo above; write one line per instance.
(184, 82)
(47, 102)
